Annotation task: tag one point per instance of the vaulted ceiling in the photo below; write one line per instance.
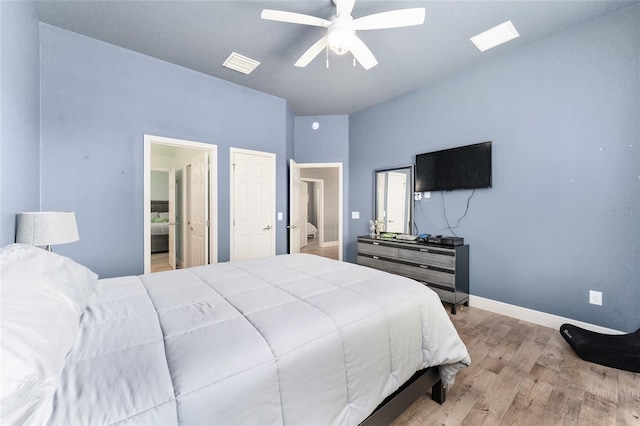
(200, 35)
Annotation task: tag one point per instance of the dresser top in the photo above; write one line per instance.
(406, 243)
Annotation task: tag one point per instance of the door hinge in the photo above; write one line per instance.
(206, 223)
(234, 166)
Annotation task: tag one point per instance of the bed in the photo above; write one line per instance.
(292, 339)
(159, 226)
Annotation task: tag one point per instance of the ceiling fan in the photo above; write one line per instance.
(341, 29)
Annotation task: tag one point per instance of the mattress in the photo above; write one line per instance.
(293, 339)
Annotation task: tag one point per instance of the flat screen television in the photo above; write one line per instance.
(464, 167)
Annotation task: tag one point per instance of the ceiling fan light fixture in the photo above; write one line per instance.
(340, 38)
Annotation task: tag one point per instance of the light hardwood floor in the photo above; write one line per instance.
(525, 374)
(313, 247)
(160, 262)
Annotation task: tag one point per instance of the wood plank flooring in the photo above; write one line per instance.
(526, 374)
(313, 247)
(160, 262)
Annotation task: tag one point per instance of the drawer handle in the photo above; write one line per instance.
(424, 250)
(375, 243)
(376, 257)
(424, 267)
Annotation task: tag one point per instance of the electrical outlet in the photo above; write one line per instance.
(595, 297)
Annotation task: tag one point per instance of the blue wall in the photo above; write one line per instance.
(563, 215)
(20, 114)
(97, 102)
(328, 144)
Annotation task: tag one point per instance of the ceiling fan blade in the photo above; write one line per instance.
(344, 7)
(294, 18)
(312, 52)
(362, 53)
(391, 19)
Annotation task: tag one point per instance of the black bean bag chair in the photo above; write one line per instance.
(620, 351)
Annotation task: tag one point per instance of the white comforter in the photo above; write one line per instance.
(159, 228)
(294, 339)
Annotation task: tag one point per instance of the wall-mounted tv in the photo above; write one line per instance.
(464, 167)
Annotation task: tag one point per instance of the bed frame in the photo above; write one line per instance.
(159, 243)
(396, 403)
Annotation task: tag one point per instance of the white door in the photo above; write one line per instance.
(396, 202)
(294, 207)
(172, 218)
(253, 201)
(304, 212)
(198, 225)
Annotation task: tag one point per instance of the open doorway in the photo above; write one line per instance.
(316, 216)
(180, 194)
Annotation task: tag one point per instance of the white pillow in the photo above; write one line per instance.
(164, 215)
(43, 296)
(155, 215)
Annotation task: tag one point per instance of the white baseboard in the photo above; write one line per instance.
(536, 317)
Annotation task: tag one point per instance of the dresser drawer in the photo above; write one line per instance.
(428, 256)
(425, 274)
(375, 249)
(383, 265)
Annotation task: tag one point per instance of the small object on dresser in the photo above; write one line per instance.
(406, 237)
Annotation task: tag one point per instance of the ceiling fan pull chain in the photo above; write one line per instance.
(327, 50)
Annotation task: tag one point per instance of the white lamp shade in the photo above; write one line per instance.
(46, 228)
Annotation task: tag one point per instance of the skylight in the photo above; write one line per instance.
(495, 36)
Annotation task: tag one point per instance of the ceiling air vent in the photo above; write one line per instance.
(240, 63)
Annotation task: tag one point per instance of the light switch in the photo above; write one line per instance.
(355, 215)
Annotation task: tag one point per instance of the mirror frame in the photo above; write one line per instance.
(406, 167)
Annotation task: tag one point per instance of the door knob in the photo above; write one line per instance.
(292, 227)
(267, 228)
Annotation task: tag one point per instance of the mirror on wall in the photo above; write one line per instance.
(393, 207)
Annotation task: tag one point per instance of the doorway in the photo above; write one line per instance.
(180, 159)
(320, 203)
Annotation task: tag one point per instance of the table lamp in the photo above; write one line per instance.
(45, 229)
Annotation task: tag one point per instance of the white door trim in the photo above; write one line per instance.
(319, 208)
(294, 226)
(339, 166)
(213, 193)
(232, 216)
